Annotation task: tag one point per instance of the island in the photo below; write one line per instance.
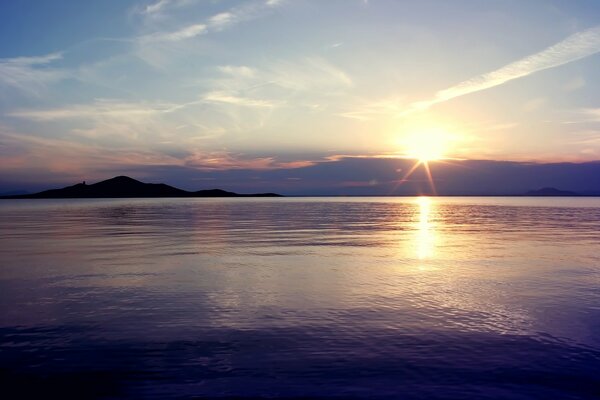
(124, 186)
(550, 192)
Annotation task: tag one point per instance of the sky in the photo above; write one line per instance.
(256, 94)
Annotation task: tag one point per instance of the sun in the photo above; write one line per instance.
(426, 145)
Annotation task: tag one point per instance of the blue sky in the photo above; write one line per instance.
(92, 88)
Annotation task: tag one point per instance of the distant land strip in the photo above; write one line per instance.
(124, 187)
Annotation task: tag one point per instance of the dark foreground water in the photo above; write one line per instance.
(444, 298)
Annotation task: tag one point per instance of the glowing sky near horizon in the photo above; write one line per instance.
(266, 84)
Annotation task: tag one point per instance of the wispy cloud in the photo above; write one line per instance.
(232, 98)
(156, 7)
(584, 116)
(575, 47)
(176, 126)
(302, 74)
(221, 20)
(215, 22)
(161, 6)
(100, 108)
(592, 114)
(238, 71)
(30, 74)
(284, 85)
(368, 110)
(158, 48)
(230, 161)
(74, 160)
(37, 60)
(54, 155)
(240, 13)
(308, 73)
(186, 32)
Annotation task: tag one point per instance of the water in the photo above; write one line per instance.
(409, 298)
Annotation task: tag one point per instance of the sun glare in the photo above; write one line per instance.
(426, 145)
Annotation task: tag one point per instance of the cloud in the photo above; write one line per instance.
(156, 7)
(157, 47)
(246, 97)
(187, 32)
(592, 114)
(575, 47)
(222, 19)
(60, 157)
(159, 7)
(589, 116)
(368, 110)
(115, 123)
(239, 14)
(46, 59)
(342, 175)
(238, 71)
(26, 157)
(101, 108)
(308, 73)
(30, 74)
(225, 161)
(303, 74)
(173, 127)
(216, 22)
(231, 98)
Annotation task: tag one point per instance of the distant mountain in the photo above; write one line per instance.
(550, 191)
(124, 186)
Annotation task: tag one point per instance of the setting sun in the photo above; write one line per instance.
(426, 145)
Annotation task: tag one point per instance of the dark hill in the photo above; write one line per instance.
(550, 191)
(124, 186)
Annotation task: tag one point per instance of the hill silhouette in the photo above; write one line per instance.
(550, 191)
(124, 186)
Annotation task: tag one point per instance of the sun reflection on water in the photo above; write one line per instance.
(425, 237)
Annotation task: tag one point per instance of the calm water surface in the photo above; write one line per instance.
(441, 298)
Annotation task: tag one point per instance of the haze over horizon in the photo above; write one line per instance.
(301, 97)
